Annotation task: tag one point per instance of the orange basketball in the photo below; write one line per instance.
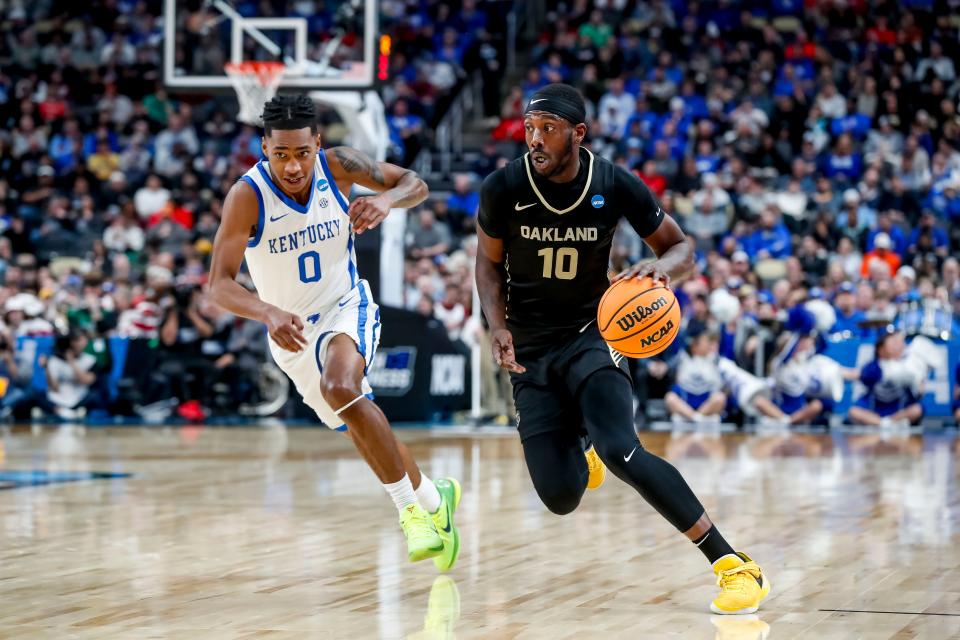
(639, 317)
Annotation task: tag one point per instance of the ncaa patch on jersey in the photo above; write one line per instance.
(322, 185)
(597, 201)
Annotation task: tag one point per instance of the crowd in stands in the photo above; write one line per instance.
(810, 150)
(111, 188)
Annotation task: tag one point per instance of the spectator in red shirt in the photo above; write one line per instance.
(175, 211)
(881, 33)
(656, 182)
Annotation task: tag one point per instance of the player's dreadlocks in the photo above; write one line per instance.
(289, 111)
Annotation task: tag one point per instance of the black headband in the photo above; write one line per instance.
(563, 106)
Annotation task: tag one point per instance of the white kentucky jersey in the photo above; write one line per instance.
(302, 257)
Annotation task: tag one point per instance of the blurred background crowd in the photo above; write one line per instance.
(811, 150)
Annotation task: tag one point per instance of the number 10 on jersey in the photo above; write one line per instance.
(561, 263)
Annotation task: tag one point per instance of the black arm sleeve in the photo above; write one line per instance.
(634, 198)
(491, 216)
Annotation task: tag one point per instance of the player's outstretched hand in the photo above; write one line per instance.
(366, 212)
(643, 269)
(286, 329)
(503, 351)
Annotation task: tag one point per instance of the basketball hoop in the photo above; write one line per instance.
(256, 82)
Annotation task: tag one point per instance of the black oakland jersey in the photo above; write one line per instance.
(557, 239)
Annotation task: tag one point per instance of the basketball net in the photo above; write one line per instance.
(256, 82)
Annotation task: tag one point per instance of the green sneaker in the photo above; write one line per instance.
(422, 538)
(443, 519)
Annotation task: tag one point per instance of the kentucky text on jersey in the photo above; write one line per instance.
(548, 234)
(304, 237)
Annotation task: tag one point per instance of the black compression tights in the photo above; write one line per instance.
(559, 470)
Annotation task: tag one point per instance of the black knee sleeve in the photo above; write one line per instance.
(559, 499)
(558, 469)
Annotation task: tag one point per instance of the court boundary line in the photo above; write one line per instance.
(896, 613)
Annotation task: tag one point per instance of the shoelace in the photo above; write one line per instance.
(423, 522)
(728, 579)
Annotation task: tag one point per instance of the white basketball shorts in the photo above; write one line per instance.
(356, 315)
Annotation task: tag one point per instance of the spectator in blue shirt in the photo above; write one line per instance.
(885, 225)
(928, 226)
(406, 127)
(848, 316)
(945, 200)
(771, 239)
(843, 162)
(554, 70)
(91, 140)
(708, 161)
(463, 202)
(893, 382)
(856, 124)
(854, 211)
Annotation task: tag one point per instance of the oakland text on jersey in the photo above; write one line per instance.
(304, 237)
(554, 234)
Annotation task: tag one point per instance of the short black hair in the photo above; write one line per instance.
(289, 111)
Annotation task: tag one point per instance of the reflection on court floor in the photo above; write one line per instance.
(250, 532)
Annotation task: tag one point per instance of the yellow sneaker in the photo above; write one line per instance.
(449, 490)
(742, 585)
(598, 472)
(748, 627)
(423, 541)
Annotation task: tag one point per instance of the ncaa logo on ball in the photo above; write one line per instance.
(597, 201)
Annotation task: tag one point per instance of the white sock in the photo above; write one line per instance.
(427, 494)
(402, 492)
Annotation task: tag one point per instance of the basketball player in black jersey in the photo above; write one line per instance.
(545, 225)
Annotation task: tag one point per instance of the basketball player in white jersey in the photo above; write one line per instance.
(289, 217)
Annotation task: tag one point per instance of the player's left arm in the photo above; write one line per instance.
(660, 231)
(395, 186)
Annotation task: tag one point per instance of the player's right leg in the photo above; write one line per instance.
(342, 388)
(440, 498)
(605, 397)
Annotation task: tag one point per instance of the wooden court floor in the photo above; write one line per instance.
(276, 533)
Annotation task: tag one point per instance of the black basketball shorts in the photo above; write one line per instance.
(545, 395)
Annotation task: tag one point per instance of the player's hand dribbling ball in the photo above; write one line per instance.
(639, 317)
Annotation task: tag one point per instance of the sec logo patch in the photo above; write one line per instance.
(597, 201)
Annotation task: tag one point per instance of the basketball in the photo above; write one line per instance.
(639, 317)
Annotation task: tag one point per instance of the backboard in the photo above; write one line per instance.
(326, 44)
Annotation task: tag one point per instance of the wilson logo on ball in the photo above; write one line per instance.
(641, 312)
